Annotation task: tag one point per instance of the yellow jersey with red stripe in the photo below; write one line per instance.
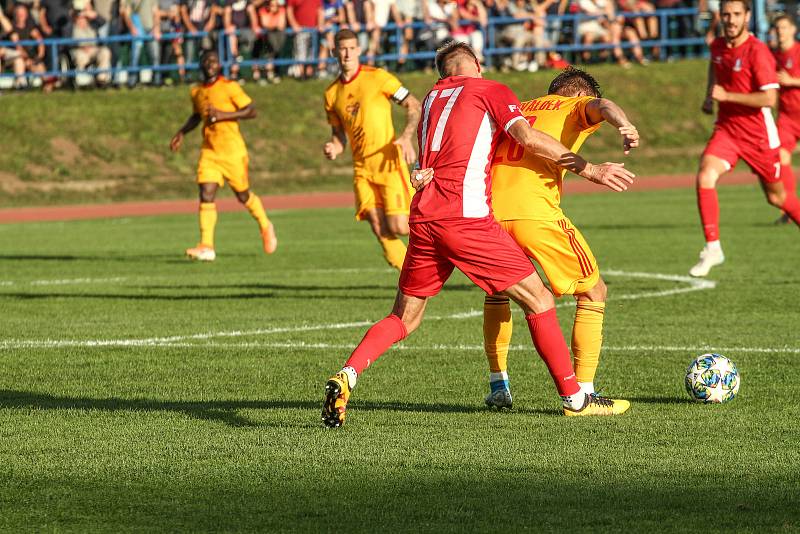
(221, 139)
(362, 108)
(527, 187)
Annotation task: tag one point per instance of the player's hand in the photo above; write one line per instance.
(405, 145)
(630, 138)
(784, 78)
(213, 114)
(177, 141)
(331, 150)
(612, 175)
(719, 93)
(708, 106)
(420, 178)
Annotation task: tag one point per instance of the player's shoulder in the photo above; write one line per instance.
(717, 44)
(758, 46)
(376, 73)
(332, 87)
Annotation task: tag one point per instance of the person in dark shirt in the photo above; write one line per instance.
(241, 26)
(26, 30)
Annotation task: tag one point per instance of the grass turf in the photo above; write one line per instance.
(168, 428)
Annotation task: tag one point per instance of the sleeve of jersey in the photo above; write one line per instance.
(333, 117)
(503, 105)
(765, 71)
(238, 96)
(579, 112)
(393, 88)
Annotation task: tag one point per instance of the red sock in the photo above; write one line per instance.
(791, 207)
(708, 205)
(789, 181)
(550, 344)
(377, 340)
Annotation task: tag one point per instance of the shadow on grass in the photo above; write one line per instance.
(222, 411)
(192, 297)
(660, 400)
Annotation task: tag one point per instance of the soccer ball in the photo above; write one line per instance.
(712, 378)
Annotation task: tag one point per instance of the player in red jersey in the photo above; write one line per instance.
(787, 58)
(451, 225)
(743, 81)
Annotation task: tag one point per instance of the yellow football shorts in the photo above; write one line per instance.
(390, 191)
(560, 250)
(218, 170)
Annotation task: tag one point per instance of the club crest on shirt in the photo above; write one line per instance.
(352, 109)
(716, 59)
(789, 63)
(738, 65)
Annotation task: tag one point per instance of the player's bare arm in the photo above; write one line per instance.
(787, 80)
(405, 141)
(603, 109)
(757, 99)
(191, 123)
(708, 103)
(612, 175)
(216, 115)
(336, 145)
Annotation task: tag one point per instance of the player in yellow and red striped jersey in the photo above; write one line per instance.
(359, 109)
(526, 197)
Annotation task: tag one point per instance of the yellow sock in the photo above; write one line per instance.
(394, 250)
(208, 221)
(497, 327)
(256, 209)
(587, 338)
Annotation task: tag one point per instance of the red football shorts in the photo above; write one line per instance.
(478, 247)
(788, 131)
(764, 161)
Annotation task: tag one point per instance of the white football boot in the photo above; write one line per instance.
(709, 257)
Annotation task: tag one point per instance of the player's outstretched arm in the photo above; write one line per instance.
(612, 175)
(336, 145)
(216, 115)
(603, 109)
(191, 123)
(758, 99)
(405, 141)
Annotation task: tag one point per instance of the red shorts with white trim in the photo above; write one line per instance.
(788, 131)
(478, 247)
(763, 160)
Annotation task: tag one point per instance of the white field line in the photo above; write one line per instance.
(693, 285)
(62, 282)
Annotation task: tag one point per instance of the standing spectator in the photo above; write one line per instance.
(272, 36)
(470, 33)
(241, 27)
(383, 10)
(409, 12)
(169, 21)
(32, 55)
(196, 18)
(141, 18)
(302, 18)
(109, 12)
(437, 17)
(10, 55)
(85, 24)
(361, 19)
(331, 17)
(55, 21)
(709, 10)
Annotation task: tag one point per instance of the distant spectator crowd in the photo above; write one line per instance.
(161, 34)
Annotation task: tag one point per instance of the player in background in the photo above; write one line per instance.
(359, 110)
(452, 226)
(743, 81)
(526, 197)
(220, 104)
(787, 59)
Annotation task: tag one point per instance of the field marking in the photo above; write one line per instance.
(693, 284)
(63, 282)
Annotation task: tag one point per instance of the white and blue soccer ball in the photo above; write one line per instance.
(712, 378)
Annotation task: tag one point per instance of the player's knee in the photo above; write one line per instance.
(398, 226)
(707, 178)
(598, 293)
(243, 196)
(786, 157)
(776, 198)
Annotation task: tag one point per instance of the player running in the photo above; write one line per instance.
(220, 104)
(358, 105)
(787, 58)
(452, 226)
(742, 79)
(526, 197)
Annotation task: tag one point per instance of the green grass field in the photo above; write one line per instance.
(141, 392)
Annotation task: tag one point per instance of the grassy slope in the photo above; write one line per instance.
(223, 433)
(99, 146)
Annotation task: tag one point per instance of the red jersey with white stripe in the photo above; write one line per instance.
(463, 119)
(747, 68)
(789, 60)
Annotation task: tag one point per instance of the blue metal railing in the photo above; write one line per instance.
(491, 49)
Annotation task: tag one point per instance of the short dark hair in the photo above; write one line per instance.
(746, 4)
(572, 81)
(207, 53)
(344, 35)
(447, 54)
(783, 16)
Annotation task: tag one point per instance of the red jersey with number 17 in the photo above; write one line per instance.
(747, 68)
(789, 60)
(463, 119)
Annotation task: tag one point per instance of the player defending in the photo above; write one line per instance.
(359, 110)
(787, 58)
(220, 104)
(742, 79)
(526, 196)
(452, 226)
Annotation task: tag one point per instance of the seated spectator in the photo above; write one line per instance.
(646, 28)
(55, 20)
(84, 26)
(271, 37)
(437, 17)
(530, 31)
(709, 10)
(168, 16)
(140, 18)
(32, 56)
(10, 55)
(331, 16)
(361, 19)
(196, 18)
(607, 28)
(470, 32)
(241, 26)
(302, 18)
(384, 11)
(409, 12)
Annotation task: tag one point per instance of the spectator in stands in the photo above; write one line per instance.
(241, 26)
(302, 18)
(32, 55)
(646, 28)
(473, 12)
(684, 24)
(196, 18)
(385, 10)
(409, 12)
(11, 55)
(169, 21)
(140, 18)
(709, 10)
(109, 12)
(529, 31)
(55, 21)
(84, 26)
(361, 19)
(272, 36)
(437, 17)
(607, 28)
(331, 16)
